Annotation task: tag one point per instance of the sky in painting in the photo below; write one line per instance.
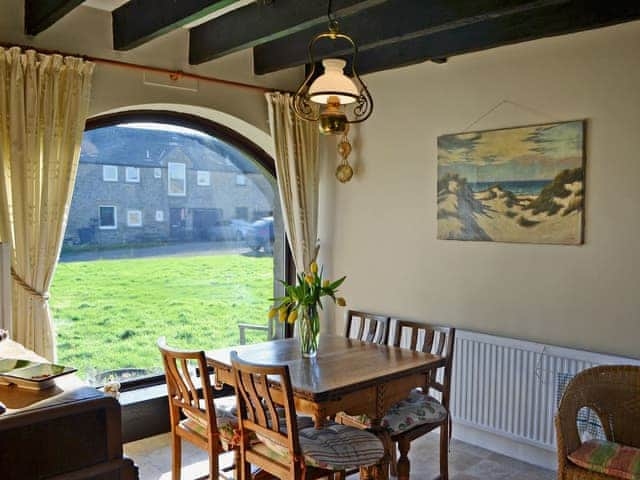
(523, 153)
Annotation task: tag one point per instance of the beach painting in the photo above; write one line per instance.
(523, 184)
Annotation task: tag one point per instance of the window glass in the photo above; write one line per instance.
(204, 178)
(177, 179)
(132, 174)
(107, 217)
(157, 173)
(109, 173)
(190, 264)
(134, 218)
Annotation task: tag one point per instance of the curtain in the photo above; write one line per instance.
(44, 103)
(297, 171)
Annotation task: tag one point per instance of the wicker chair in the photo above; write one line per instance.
(613, 393)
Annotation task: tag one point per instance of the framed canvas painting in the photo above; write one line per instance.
(522, 184)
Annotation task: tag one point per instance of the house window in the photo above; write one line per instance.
(175, 248)
(108, 219)
(177, 179)
(109, 173)
(157, 173)
(204, 178)
(132, 174)
(242, 213)
(134, 218)
(241, 180)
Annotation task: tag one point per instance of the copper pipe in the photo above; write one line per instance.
(173, 74)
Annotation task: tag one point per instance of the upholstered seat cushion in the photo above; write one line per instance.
(418, 409)
(609, 458)
(335, 447)
(226, 420)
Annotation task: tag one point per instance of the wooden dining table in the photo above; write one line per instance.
(347, 375)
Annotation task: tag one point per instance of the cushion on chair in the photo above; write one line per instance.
(418, 409)
(335, 447)
(226, 419)
(609, 458)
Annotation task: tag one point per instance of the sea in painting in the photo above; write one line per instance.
(523, 184)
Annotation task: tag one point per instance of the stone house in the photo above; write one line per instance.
(145, 185)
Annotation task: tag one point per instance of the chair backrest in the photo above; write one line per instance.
(183, 389)
(438, 340)
(613, 393)
(260, 390)
(370, 327)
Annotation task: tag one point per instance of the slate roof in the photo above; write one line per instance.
(138, 147)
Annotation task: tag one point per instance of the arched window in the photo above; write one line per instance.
(174, 231)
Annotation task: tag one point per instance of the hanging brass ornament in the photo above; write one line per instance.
(344, 172)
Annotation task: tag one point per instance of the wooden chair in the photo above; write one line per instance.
(371, 328)
(439, 341)
(267, 413)
(204, 420)
(613, 393)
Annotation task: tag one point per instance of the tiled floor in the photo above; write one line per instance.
(467, 462)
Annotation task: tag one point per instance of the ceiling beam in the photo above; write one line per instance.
(139, 21)
(576, 16)
(388, 23)
(262, 22)
(41, 14)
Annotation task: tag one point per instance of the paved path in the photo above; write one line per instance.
(187, 249)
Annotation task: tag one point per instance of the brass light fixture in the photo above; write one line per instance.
(344, 172)
(340, 99)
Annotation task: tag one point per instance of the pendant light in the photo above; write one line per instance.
(334, 99)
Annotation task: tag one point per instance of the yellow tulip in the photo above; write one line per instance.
(293, 316)
(341, 302)
(326, 283)
(309, 279)
(283, 314)
(272, 313)
(314, 267)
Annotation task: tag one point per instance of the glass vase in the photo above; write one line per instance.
(309, 332)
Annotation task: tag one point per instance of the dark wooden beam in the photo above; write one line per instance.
(550, 21)
(138, 21)
(41, 14)
(258, 23)
(388, 23)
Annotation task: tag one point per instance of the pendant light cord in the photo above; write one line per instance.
(333, 22)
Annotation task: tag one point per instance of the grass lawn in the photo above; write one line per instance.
(109, 313)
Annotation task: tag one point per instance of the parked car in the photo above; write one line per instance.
(221, 231)
(261, 235)
(241, 228)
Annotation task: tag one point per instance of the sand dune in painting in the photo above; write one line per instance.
(492, 189)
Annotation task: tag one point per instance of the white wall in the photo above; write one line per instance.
(384, 231)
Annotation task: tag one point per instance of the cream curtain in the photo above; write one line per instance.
(44, 102)
(297, 171)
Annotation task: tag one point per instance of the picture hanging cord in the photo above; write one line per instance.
(503, 102)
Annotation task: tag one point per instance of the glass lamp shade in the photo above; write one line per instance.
(333, 83)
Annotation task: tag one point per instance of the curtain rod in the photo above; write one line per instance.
(173, 74)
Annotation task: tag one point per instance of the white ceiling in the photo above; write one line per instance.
(111, 5)
(108, 5)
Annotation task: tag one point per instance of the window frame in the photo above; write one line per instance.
(262, 159)
(157, 172)
(129, 179)
(106, 168)
(134, 210)
(206, 183)
(184, 180)
(115, 218)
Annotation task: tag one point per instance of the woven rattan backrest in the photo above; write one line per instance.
(265, 403)
(367, 327)
(422, 337)
(613, 393)
(185, 392)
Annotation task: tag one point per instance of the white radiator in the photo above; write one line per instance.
(509, 387)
